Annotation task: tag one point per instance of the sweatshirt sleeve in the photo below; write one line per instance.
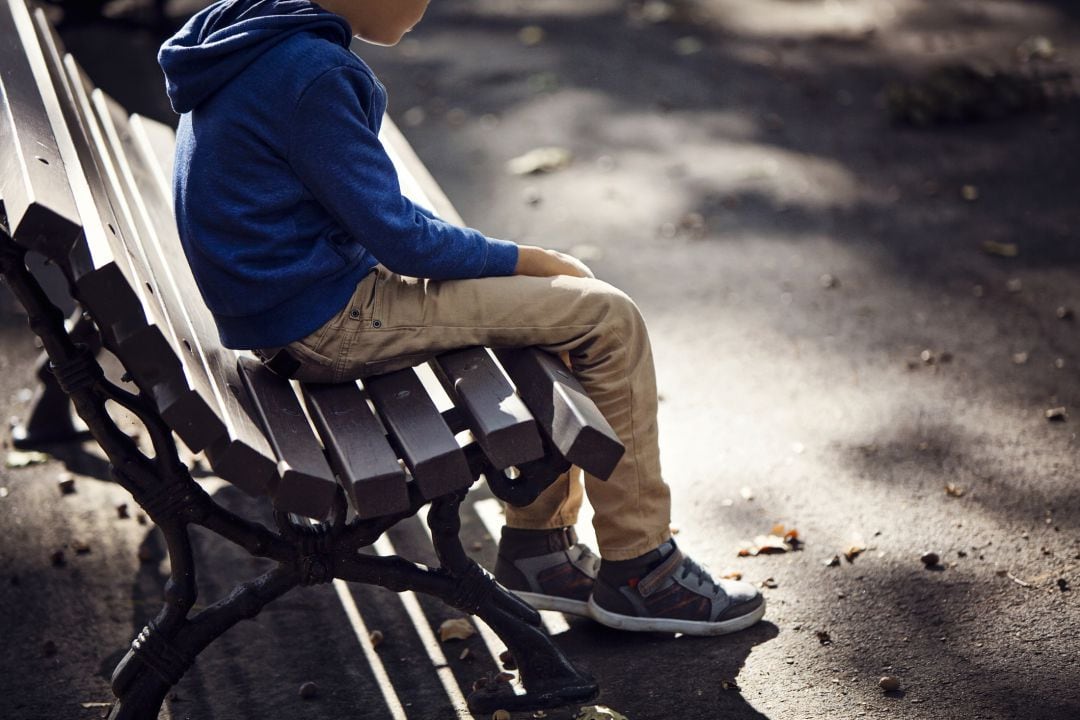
(340, 159)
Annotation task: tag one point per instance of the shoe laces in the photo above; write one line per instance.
(691, 568)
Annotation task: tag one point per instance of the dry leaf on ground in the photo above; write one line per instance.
(20, 459)
(545, 159)
(456, 629)
(780, 540)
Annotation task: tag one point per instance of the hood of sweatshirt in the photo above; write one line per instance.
(220, 41)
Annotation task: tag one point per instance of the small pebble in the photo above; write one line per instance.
(308, 690)
(1064, 313)
(888, 683)
(376, 638)
(80, 547)
(930, 559)
(66, 483)
(828, 281)
(1063, 585)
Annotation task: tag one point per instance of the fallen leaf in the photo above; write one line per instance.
(688, 45)
(531, 35)
(456, 629)
(854, 551)
(540, 160)
(598, 712)
(1058, 414)
(1018, 581)
(1036, 47)
(732, 575)
(770, 544)
(1007, 250)
(21, 459)
(656, 11)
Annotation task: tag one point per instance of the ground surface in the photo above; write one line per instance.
(796, 257)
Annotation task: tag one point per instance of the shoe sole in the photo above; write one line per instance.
(551, 602)
(672, 625)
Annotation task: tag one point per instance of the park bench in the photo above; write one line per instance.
(87, 186)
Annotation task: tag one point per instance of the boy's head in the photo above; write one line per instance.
(382, 22)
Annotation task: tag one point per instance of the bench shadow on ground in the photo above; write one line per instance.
(254, 670)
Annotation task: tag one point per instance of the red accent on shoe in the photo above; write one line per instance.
(632, 582)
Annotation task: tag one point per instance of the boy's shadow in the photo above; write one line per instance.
(645, 675)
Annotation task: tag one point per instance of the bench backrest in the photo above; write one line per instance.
(89, 187)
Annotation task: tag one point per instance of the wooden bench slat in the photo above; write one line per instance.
(89, 261)
(306, 485)
(161, 139)
(499, 420)
(39, 204)
(190, 416)
(212, 368)
(356, 445)
(427, 446)
(572, 421)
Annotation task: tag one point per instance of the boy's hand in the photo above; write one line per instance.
(540, 262)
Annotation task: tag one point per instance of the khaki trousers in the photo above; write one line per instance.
(392, 322)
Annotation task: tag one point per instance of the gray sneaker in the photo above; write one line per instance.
(560, 580)
(678, 595)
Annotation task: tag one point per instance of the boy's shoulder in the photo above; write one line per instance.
(307, 57)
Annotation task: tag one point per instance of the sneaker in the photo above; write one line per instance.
(677, 595)
(548, 569)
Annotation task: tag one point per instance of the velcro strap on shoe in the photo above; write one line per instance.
(652, 582)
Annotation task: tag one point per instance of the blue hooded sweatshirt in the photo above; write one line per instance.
(285, 198)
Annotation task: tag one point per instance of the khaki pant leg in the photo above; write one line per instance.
(399, 321)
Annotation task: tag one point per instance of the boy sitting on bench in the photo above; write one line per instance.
(307, 253)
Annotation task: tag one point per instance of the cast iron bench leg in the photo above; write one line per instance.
(51, 420)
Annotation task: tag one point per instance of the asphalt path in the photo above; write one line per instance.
(837, 350)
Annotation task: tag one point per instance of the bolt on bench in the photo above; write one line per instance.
(88, 187)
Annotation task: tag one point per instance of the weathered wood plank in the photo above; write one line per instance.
(306, 485)
(498, 419)
(356, 445)
(427, 446)
(572, 421)
(40, 207)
